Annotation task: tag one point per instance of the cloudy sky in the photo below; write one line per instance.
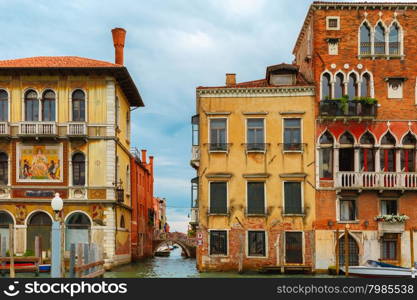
(172, 46)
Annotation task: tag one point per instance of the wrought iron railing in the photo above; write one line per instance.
(352, 108)
(218, 147)
(255, 147)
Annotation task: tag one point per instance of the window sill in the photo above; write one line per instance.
(348, 222)
(219, 255)
(261, 215)
(218, 214)
(218, 151)
(293, 215)
(293, 151)
(256, 151)
(256, 256)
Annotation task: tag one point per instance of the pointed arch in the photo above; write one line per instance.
(325, 137)
(365, 38)
(347, 138)
(346, 152)
(388, 154)
(367, 138)
(326, 144)
(367, 154)
(354, 250)
(339, 84)
(353, 79)
(367, 84)
(395, 38)
(326, 83)
(380, 36)
(388, 139)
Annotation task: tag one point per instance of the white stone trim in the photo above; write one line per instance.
(257, 92)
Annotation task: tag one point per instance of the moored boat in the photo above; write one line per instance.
(375, 269)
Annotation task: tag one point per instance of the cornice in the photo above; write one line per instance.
(293, 91)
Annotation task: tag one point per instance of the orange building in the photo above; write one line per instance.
(361, 57)
(142, 205)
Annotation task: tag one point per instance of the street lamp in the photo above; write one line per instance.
(57, 264)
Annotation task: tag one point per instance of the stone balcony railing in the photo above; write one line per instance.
(194, 215)
(376, 180)
(37, 129)
(77, 129)
(4, 128)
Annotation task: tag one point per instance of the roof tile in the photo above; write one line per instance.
(55, 62)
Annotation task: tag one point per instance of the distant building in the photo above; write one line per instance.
(160, 215)
(65, 128)
(142, 228)
(253, 149)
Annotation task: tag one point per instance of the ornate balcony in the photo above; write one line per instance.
(376, 180)
(77, 129)
(4, 129)
(37, 129)
(194, 215)
(350, 109)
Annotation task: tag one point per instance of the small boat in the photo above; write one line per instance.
(45, 268)
(376, 269)
(163, 253)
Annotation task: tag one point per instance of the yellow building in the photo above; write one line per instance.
(253, 149)
(65, 128)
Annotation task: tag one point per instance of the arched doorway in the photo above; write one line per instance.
(39, 224)
(353, 251)
(77, 230)
(5, 220)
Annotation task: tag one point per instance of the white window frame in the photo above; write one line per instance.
(302, 246)
(227, 242)
(246, 198)
(41, 105)
(246, 133)
(8, 102)
(338, 200)
(227, 134)
(302, 199)
(209, 197)
(266, 244)
(301, 135)
(328, 18)
(85, 105)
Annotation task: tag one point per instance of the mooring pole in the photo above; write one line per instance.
(412, 246)
(11, 250)
(337, 252)
(346, 251)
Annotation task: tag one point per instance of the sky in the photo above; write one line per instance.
(172, 46)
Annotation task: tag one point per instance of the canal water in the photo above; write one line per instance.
(176, 266)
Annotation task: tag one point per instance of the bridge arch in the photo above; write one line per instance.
(180, 239)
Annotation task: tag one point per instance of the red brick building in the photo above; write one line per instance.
(362, 58)
(142, 226)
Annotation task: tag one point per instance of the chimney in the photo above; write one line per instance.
(143, 156)
(230, 79)
(119, 35)
(151, 164)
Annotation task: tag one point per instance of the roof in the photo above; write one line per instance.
(341, 5)
(73, 65)
(300, 79)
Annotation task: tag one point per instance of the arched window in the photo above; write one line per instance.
(4, 169)
(326, 86)
(379, 39)
(353, 86)
(365, 37)
(346, 152)
(394, 40)
(366, 85)
(78, 106)
(408, 153)
(4, 106)
(48, 106)
(39, 224)
(387, 154)
(339, 86)
(78, 169)
(367, 153)
(326, 156)
(31, 106)
(5, 220)
(77, 229)
(122, 222)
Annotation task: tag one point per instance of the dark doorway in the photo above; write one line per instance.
(346, 159)
(353, 252)
(294, 247)
(39, 224)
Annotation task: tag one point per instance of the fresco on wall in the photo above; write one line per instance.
(39, 162)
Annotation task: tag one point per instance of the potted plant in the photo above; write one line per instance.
(392, 219)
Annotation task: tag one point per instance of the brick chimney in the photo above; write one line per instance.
(119, 35)
(151, 164)
(230, 79)
(143, 156)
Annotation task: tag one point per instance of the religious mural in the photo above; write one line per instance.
(39, 162)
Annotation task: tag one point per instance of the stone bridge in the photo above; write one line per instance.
(187, 244)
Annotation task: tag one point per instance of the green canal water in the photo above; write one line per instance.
(174, 266)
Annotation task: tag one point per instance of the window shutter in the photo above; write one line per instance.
(292, 192)
(218, 197)
(256, 198)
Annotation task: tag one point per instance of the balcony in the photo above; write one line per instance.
(120, 195)
(36, 129)
(376, 180)
(77, 129)
(4, 129)
(194, 215)
(195, 156)
(351, 109)
(255, 147)
(218, 147)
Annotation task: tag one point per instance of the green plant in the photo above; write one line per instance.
(392, 218)
(366, 100)
(28, 252)
(343, 102)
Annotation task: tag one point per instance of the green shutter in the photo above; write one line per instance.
(256, 198)
(218, 197)
(292, 193)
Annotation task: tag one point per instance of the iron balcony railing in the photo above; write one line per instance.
(377, 180)
(221, 147)
(353, 108)
(255, 147)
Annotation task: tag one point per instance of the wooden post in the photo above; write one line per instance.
(79, 259)
(3, 253)
(412, 247)
(38, 252)
(86, 257)
(11, 250)
(72, 261)
(62, 248)
(337, 252)
(346, 251)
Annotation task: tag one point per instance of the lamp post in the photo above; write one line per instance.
(57, 238)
